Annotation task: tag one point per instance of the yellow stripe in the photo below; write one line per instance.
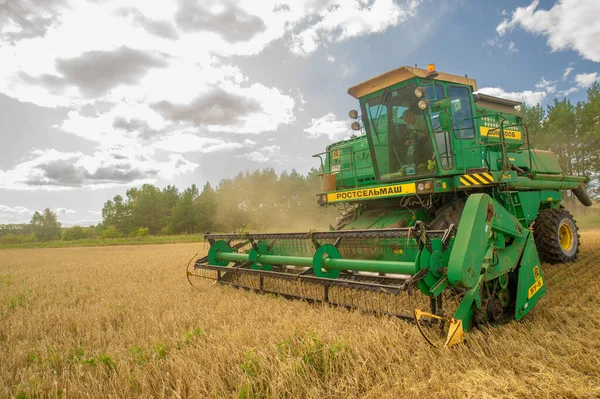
(481, 178)
(472, 180)
(489, 176)
(464, 182)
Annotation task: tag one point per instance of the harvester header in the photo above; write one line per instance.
(442, 194)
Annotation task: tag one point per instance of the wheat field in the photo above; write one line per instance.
(123, 322)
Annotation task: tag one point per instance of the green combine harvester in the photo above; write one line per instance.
(443, 205)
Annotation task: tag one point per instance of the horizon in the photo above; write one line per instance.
(169, 96)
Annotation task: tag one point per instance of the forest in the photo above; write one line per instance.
(262, 200)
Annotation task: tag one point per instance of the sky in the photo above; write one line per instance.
(98, 96)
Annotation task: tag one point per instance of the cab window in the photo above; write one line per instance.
(442, 139)
(461, 111)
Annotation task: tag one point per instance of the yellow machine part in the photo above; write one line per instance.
(455, 329)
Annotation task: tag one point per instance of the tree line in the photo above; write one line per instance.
(252, 201)
(572, 132)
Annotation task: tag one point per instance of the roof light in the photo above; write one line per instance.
(431, 72)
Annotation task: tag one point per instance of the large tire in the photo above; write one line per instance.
(556, 236)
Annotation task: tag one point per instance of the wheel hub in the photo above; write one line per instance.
(565, 236)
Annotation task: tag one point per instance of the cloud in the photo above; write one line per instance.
(569, 91)
(14, 215)
(96, 72)
(348, 19)
(328, 125)
(567, 72)
(230, 22)
(512, 49)
(83, 223)
(135, 125)
(263, 155)
(160, 28)
(185, 142)
(54, 170)
(568, 25)
(528, 97)
(217, 107)
(585, 80)
(64, 211)
(24, 19)
(493, 42)
(331, 58)
(547, 85)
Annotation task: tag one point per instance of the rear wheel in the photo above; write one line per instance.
(556, 236)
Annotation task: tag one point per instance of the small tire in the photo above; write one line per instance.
(556, 236)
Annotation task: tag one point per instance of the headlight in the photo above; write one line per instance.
(420, 92)
(353, 114)
(423, 104)
(425, 187)
(355, 126)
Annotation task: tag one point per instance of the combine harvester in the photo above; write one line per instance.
(442, 195)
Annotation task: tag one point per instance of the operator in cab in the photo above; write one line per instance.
(417, 146)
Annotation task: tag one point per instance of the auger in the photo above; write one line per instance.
(443, 204)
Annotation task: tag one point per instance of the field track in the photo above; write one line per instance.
(123, 322)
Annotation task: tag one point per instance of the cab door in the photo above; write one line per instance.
(467, 146)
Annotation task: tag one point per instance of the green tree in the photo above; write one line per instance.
(206, 209)
(45, 225)
(184, 219)
(74, 233)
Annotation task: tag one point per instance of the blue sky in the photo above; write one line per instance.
(99, 96)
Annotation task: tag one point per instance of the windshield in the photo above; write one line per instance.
(400, 140)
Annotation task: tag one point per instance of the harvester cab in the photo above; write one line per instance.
(442, 195)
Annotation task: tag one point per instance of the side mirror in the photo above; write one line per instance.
(441, 105)
(445, 121)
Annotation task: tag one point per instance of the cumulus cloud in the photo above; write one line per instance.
(352, 18)
(230, 22)
(96, 72)
(64, 211)
(217, 107)
(263, 155)
(54, 170)
(185, 142)
(14, 214)
(568, 25)
(83, 223)
(328, 125)
(26, 19)
(159, 27)
(159, 76)
(528, 97)
(547, 85)
(585, 80)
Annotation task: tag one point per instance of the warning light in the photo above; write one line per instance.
(431, 72)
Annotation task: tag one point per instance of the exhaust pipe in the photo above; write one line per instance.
(582, 195)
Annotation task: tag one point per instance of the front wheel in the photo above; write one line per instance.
(556, 236)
